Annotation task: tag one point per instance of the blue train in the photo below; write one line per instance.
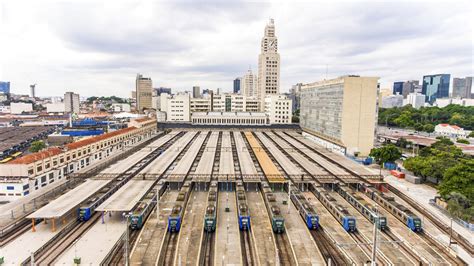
(305, 208)
(210, 217)
(177, 213)
(276, 219)
(362, 206)
(146, 206)
(243, 211)
(347, 221)
(410, 219)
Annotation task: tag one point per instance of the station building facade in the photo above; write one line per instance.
(230, 118)
(35, 171)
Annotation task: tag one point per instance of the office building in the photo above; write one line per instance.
(5, 87)
(32, 90)
(249, 84)
(441, 103)
(268, 64)
(405, 87)
(176, 107)
(143, 88)
(196, 92)
(71, 102)
(436, 86)
(383, 93)
(19, 108)
(55, 108)
(416, 100)
(397, 88)
(237, 85)
(230, 118)
(462, 87)
(278, 108)
(160, 90)
(294, 95)
(392, 101)
(341, 114)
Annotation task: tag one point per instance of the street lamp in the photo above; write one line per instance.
(126, 216)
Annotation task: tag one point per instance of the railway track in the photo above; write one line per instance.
(453, 260)
(248, 255)
(169, 250)
(367, 248)
(408, 251)
(328, 248)
(16, 230)
(207, 249)
(284, 251)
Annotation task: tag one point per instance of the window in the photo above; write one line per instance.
(39, 169)
(43, 179)
(10, 188)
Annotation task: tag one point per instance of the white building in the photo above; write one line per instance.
(392, 101)
(443, 102)
(279, 109)
(268, 64)
(71, 102)
(248, 84)
(55, 107)
(5, 109)
(18, 108)
(121, 107)
(230, 118)
(450, 131)
(200, 104)
(177, 108)
(416, 100)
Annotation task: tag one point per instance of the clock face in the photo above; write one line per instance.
(272, 44)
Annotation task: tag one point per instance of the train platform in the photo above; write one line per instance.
(191, 232)
(122, 165)
(227, 248)
(181, 169)
(147, 247)
(262, 233)
(335, 231)
(96, 243)
(247, 167)
(306, 251)
(126, 197)
(160, 164)
(226, 163)
(24, 245)
(365, 228)
(65, 203)
(204, 168)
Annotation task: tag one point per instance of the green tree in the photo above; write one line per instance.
(384, 154)
(37, 146)
(403, 143)
(428, 128)
(464, 141)
(459, 178)
(471, 135)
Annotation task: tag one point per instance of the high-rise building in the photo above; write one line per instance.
(436, 86)
(249, 84)
(416, 100)
(398, 88)
(196, 92)
(160, 90)
(462, 87)
(341, 113)
(143, 87)
(71, 102)
(294, 95)
(237, 85)
(268, 64)
(405, 87)
(5, 87)
(278, 108)
(32, 90)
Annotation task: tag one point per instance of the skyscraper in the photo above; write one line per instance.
(462, 87)
(249, 84)
(71, 102)
(237, 85)
(268, 64)
(436, 86)
(196, 92)
(5, 87)
(398, 87)
(143, 88)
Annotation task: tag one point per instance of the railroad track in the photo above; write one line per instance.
(207, 249)
(15, 231)
(367, 248)
(453, 260)
(407, 250)
(248, 256)
(169, 250)
(328, 248)
(464, 243)
(284, 252)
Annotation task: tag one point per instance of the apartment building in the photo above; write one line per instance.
(279, 109)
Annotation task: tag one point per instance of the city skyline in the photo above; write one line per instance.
(66, 46)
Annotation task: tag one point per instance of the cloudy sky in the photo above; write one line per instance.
(97, 48)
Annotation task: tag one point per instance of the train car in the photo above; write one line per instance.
(86, 210)
(243, 211)
(306, 210)
(347, 221)
(177, 213)
(403, 214)
(276, 219)
(146, 206)
(210, 218)
(362, 206)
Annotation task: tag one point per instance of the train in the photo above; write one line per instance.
(176, 217)
(146, 206)
(274, 213)
(347, 221)
(362, 206)
(306, 209)
(243, 210)
(86, 210)
(210, 217)
(410, 219)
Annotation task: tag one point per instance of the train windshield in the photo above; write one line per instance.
(417, 222)
(244, 220)
(314, 220)
(209, 222)
(279, 223)
(134, 219)
(351, 222)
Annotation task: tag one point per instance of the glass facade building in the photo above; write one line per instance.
(398, 88)
(4, 87)
(435, 87)
(236, 85)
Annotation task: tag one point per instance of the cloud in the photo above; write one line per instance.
(97, 48)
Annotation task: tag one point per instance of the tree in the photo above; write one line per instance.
(403, 143)
(464, 141)
(428, 128)
(459, 178)
(384, 154)
(36, 146)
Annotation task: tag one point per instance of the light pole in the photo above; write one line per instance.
(126, 237)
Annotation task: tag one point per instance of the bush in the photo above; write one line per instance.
(464, 141)
(36, 146)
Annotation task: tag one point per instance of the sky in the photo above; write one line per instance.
(96, 48)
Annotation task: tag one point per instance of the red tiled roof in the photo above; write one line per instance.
(85, 142)
(448, 125)
(144, 119)
(27, 159)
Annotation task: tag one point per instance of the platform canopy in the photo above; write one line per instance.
(127, 196)
(66, 202)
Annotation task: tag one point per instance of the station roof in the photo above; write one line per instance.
(127, 196)
(63, 204)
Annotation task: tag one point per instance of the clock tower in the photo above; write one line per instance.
(268, 65)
